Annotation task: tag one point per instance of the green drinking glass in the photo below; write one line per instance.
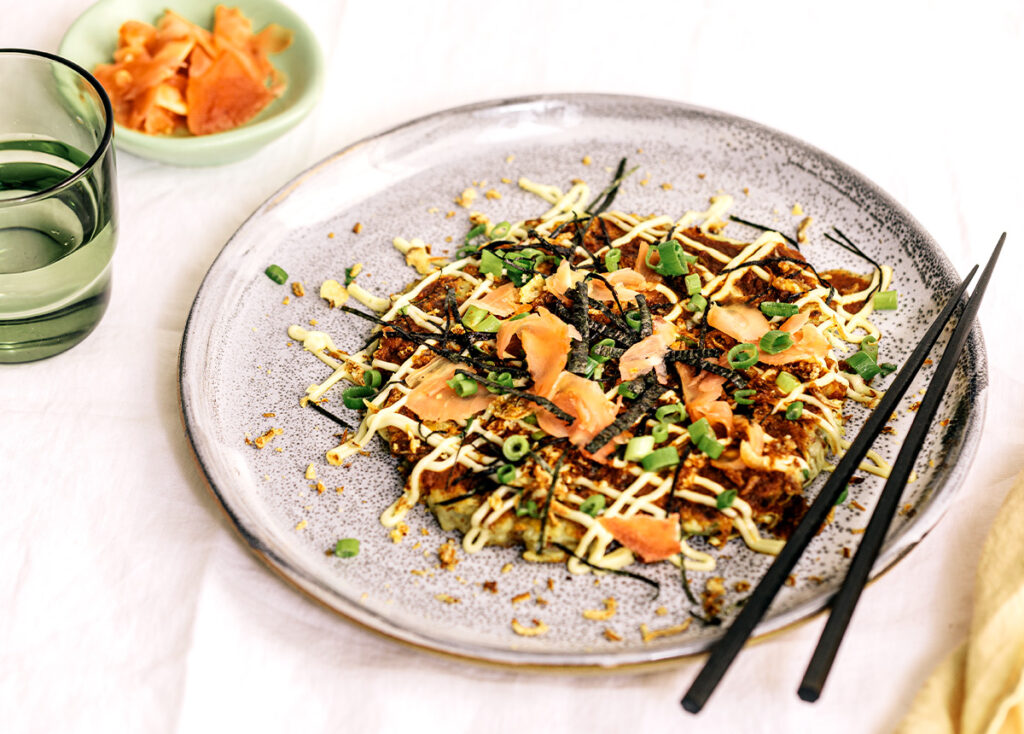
(58, 204)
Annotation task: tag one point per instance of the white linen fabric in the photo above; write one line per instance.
(128, 604)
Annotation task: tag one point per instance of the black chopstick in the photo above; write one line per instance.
(845, 601)
(728, 646)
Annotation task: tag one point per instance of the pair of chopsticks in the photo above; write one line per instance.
(725, 650)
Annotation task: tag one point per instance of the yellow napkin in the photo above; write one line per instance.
(979, 689)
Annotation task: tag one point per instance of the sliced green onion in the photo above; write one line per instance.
(688, 259)
(743, 397)
(463, 386)
(673, 413)
(700, 429)
(474, 315)
(490, 324)
(611, 260)
(886, 301)
(500, 230)
(660, 433)
(531, 419)
(843, 496)
(775, 308)
(887, 368)
(725, 499)
(347, 548)
(277, 274)
(692, 282)
(670, 261)
(491, 263)
(474, 233)
(794, 410)
(353, 396)
(625, 389)
(807, 474)
(697, 304)
(502, 378)
(639, 447)
(710, 446)
(593, 505)
(742, 356)
(515, 448)
(869, 345)
(863, 365)
(774, 342)
(519, 316)
(635, 320)
(517, 276)
(349, 276)
(527, 508)
(603, 343)
(505, 474)
(786, 383)
(594, 369)
(660, 458)
(372, 378)
(537, 435)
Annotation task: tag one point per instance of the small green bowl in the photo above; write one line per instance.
(92, 38)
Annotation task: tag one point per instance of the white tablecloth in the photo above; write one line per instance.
(128, 604)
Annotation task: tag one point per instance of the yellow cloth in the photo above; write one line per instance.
(979, 689)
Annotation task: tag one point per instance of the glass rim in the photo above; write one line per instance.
(105, 140)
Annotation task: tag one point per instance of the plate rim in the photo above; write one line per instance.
(560, 661)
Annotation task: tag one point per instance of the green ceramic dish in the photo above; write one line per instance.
(92, 38)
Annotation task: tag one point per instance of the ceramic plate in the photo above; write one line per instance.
(240, 374)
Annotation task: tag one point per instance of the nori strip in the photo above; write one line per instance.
(763, 228)
(328, 414)
(580, 348)
(692, 356)
(611, 190)
(547, 504)
(853, 248)
(736, 378)
(632, 415)
(616, 571)
(646, 326)
(603, 350)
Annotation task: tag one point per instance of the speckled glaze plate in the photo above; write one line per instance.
(240, 375)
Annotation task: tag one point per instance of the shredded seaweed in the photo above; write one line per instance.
(646, 325)
(541, 541)
(328, 414)
(616, 571)
(736, 378)
(600, 331)
(611, 191)
(617, 321)
(604, 236)
(763, 228)
(849, 246)
(631, 416)
(580, 348)
(686, 581)
(692, 356)
(603, 350)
